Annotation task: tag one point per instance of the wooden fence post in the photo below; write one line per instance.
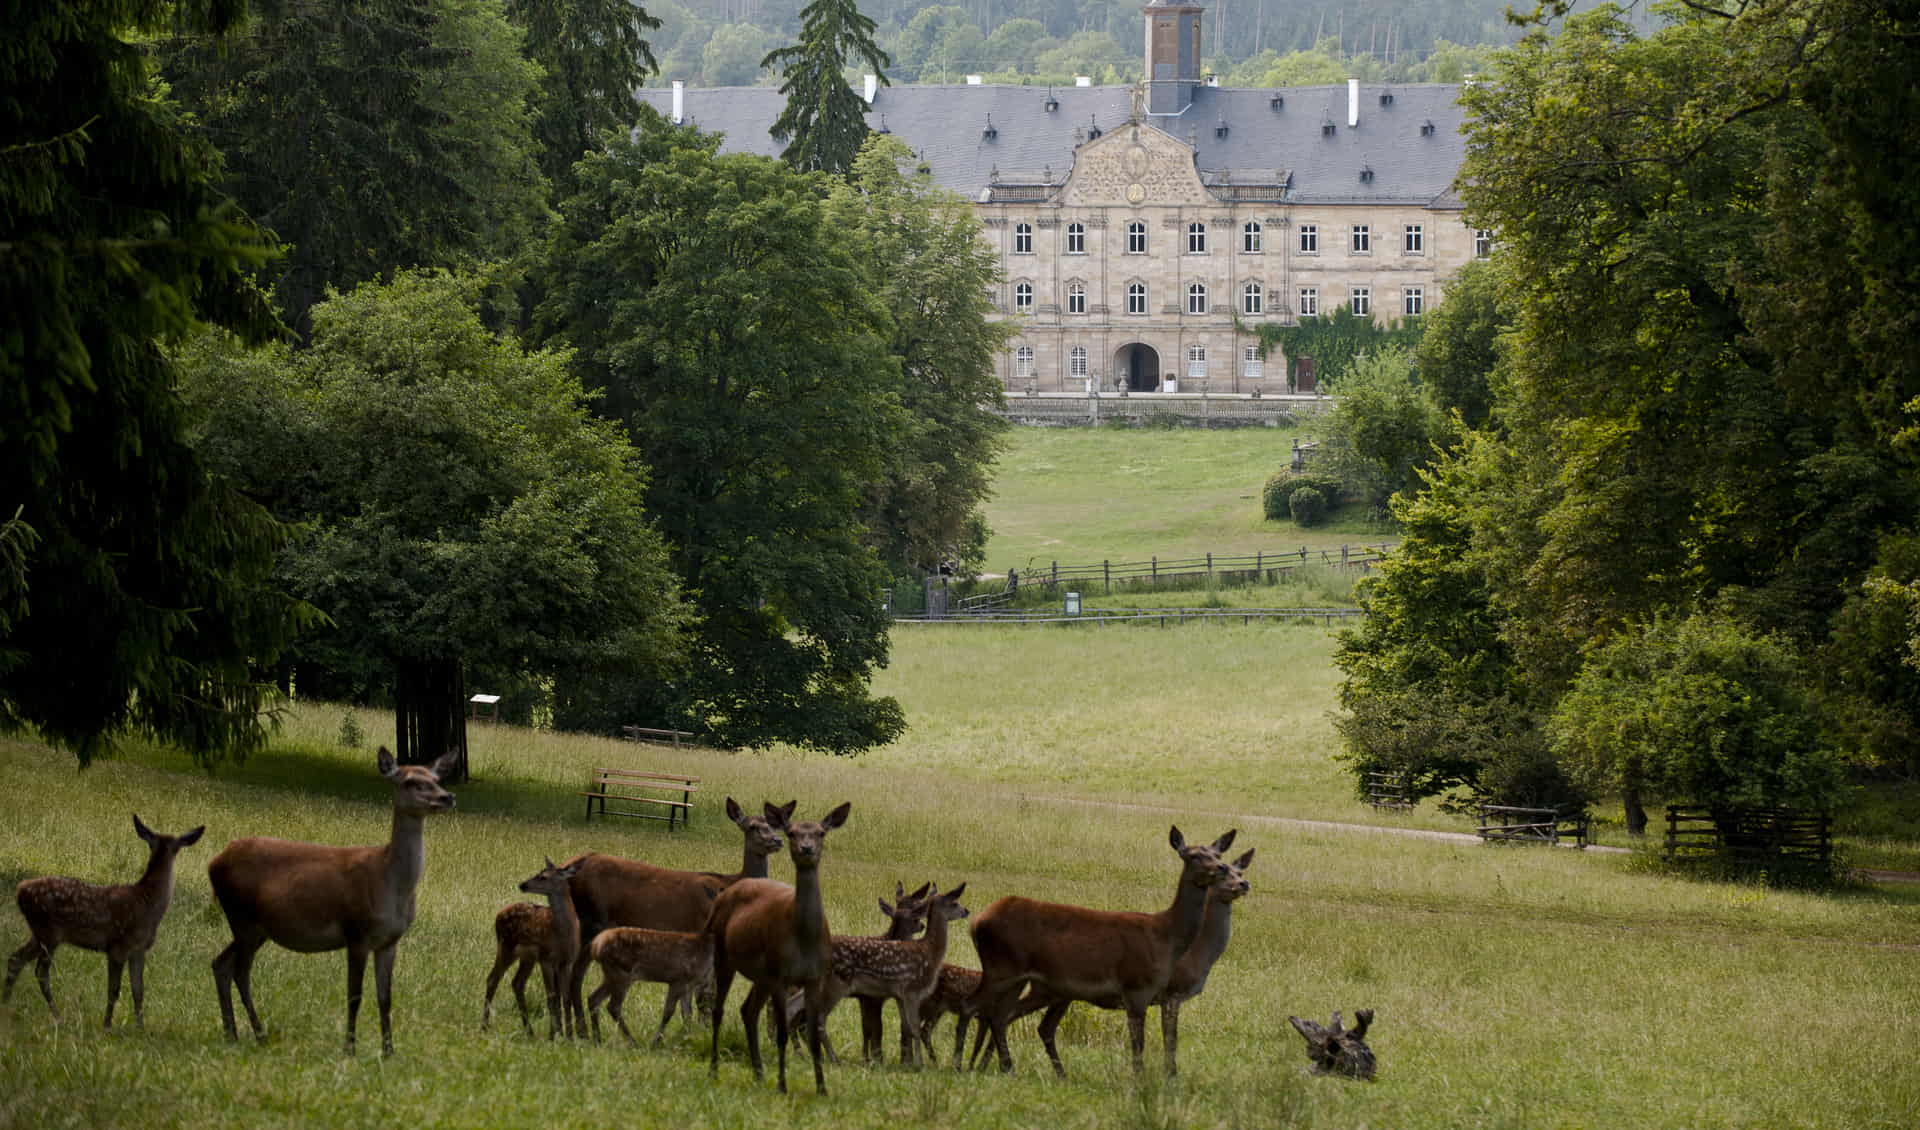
(1153, 563)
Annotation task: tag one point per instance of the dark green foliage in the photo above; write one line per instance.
(1307, 506)
(739, 341)
(593, 56)
(1276, 497)
(824, 123)
(1385, 428)
(369, 135)
(133, 583)
(1334, 341)
(458, 501)
(1457, 354)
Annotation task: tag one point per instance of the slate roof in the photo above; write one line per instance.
(946, 126)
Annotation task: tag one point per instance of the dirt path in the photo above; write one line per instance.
(1875, 874)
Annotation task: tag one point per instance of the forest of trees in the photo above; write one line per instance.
(1246, 42)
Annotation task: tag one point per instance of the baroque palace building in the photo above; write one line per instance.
(1144, 232)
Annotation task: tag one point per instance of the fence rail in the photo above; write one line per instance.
(1749, 835)
(1162, 616)
(1389, 790)
(1501, 823)
(1219, 566)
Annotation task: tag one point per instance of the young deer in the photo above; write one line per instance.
(1336, 1050)
(957, 991)
(1189, 973)
(631, 953)
(777, 937)
(1114, 958)
(906, 918)
(311, 898)
(546, 936)
(611, 891)
(906, 971)
(120, 921)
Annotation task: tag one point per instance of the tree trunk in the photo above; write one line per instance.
(1636, 815)
(430, 711)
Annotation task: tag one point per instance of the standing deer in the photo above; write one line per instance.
(311, 898)
(1117, 958)
(777, 937)
(1337, 1050)
(958, 992)
(632, 953)
(611, 891)
(906, 918)
(546, 936)
(119, 921)
(1189, 973)
(907, 971)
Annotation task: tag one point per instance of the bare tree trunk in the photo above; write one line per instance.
(1636, 815)
(430, 711)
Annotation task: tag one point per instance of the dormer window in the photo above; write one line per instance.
(1220, 130)
(1426, 130)
(1366, 174)
(1052, 103)
(1093, 128)
(989, 133)
(1326, 128)
(1386, 98)
(1277, 102)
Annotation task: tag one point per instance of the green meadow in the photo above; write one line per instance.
(1513, 987)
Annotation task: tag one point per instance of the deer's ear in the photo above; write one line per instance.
(922, 891)
(954, 894)
(779, 815)
(1226, 841)
(1244, 861)
(384, 759)
(142, 830)
(886, 908)
(838, 816)
(446, 765)
(1174, 837)
(570, 870)
(735, 814)
(188, 839)
(1363, 1017)
(1313, 1033)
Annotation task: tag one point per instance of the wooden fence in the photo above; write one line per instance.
(1749, 836)
(1160, 616)
(1389, 790)
(1226, 568)
(1500, 823)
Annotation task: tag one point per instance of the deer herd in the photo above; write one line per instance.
(695, 932)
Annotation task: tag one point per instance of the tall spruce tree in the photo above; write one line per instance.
(594, 55)
(825, 122)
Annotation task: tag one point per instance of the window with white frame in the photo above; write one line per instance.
(1414, 242)
(1136, 237)
(1136, 298)
(1197, 298)
(1196, 239)
(1362, 239)
(1362, 302)
(1250, 364)
(1076, 298)
(1482, 242)
(1023, 239)
(1250, 237)
(1309, 301)
(1023, 362)
(1413, 301)
(1309, 239)
(1076, 239)
(1023, 298)
(1253, 299)
(1077, 361)
(1197, 362)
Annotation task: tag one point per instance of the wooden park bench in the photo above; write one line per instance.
(633, 787)
(1506, 824)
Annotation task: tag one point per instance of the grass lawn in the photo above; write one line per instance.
(1513, 987)
(1083, 495)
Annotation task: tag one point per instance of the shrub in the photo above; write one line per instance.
(1277, 496)
(1308, 506)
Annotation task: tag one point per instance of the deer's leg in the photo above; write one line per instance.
(114, 965)
(356, 977)
(723, 981)
(870, 1028)
(520, 976)
(137, 974)
(18, 961)
(1137, 1035)
(243, 981)
(909, 1030)
(980, 1034)
(678, 992)
(1170, 1034)
(551, 974)
(750, 1019)
(816, 1018)
(502, 958)
(1049, 1024)
(224, 966)
(383, 986)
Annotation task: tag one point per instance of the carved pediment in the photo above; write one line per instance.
(1133, 166)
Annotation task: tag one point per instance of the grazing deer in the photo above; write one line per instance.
(1336, 1050)
(777, 937)
(546, 936)
(1116, 958)
(1189, 974)
(311, 898)
(119, 921)
(611, 891)
(631, 953)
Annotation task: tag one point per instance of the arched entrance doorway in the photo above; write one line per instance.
(1138, 365)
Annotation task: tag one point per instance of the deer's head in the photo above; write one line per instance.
(161, 846)
(762, 839)
(1234, 883)
(805, 838)
(946, 907)
(549, 880)
(907, 913)
(417, 788)
(1336, 1050)
(1201, 863)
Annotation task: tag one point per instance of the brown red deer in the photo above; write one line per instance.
(632, 953)
(777, 937)
(119, 921)
(1119, 959)
(544, 936)
(312, 898)
(611, 891)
